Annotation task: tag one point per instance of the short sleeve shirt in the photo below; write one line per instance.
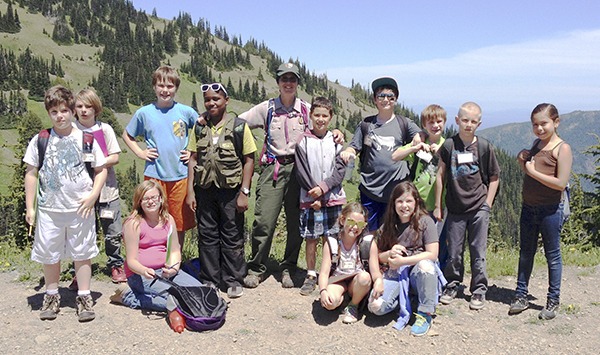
(379, 174)
(63, 178)
(167, 130)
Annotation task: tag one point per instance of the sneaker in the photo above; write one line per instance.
(286, 279)
(235, 292)
(84, 308)
(350, 314)
(422, 324)
(50, 307)
(518, 305)
(73, 285)
(477, 302)
(309, 285)
(118, 275)
(550, 311)
(251, 281)
(449, 295)
(121, 290)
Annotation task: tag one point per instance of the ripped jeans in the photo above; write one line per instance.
(423, 280)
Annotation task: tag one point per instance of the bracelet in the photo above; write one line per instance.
(321, 291)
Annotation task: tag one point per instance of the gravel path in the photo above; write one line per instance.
(270, 319)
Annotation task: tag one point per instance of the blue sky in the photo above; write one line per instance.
(506, 55)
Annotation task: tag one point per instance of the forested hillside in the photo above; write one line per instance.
(114, 48)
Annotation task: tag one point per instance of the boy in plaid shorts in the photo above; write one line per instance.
(320, 171)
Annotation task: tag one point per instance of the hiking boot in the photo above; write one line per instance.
(550, 311)
(422, 324)
(84, 308)
(477, 302)
(251, 281)
(449, 295)
(121, 290)
(73, 285)
(309, 285)
(118, 275)
(350, 314)
(50, 307)
(518, 305)
(286, 279)
(235, 292)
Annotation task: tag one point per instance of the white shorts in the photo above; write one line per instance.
(61, 235)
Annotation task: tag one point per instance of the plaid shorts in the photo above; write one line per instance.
(330, 222)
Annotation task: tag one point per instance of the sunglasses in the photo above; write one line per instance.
(214, 87)
(384, 96)
(351, 223)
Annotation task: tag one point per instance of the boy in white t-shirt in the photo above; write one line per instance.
(66, 224)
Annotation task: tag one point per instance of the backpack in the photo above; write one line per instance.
(238, 136)
(42, 144)
(202, 306)
(364, 249)
(366, 123)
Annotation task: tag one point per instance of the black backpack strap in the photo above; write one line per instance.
(364, 248)
(483, 153)
(42, 144)
(403, 122)
(238, 137)
(90, 138)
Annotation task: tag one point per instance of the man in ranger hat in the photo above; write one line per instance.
(284, 119)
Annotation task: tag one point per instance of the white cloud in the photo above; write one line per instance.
(564, 70)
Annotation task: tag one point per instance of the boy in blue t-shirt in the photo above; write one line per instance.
(165, 125)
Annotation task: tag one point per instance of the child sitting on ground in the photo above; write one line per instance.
(347, 274)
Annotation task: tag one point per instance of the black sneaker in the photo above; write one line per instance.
(449, 295)
(309, 285)
(50, 307)
(518, 305)
(550, 311)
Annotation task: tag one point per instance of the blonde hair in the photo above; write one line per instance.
(137, 212)
(90, 97)
(166, 73)
(432, 112)
(470, 107)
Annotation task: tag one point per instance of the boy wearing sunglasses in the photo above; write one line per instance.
(320, 171)
(164, 125)
(376, 138)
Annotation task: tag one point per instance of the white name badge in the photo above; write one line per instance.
(107, 214)
(88, 157)
(464, 158)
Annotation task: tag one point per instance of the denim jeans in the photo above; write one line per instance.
(547, 221)
(475, 226)
(112, 232)
(423, 280)
(145, 295)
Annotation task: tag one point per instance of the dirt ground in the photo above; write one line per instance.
(270, 319)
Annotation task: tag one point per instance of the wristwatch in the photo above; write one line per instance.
(245, 191)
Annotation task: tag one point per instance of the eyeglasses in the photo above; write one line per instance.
(384, 96)
(214, 87)
(154, 199)
(351, 223)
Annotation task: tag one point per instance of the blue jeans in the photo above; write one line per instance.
(153, 297)
(547, 221)
(375, 209)
(475, 226)
(423, 279)
(112, 231)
